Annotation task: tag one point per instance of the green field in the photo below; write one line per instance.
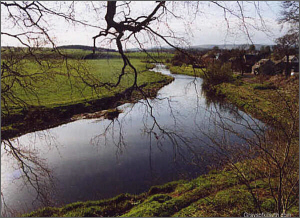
(81, 54)
(59, 89)
(57, 82)
(64, 82)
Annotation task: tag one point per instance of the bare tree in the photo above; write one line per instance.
(31, 18)
(290, 15)
(268, 153)
(287, 45)
(120, 27)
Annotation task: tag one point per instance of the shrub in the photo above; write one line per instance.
(218, 73)
(176, 63)
(179, 59)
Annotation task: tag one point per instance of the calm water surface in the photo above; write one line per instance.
(98, 158)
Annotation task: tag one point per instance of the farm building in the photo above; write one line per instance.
(264, 66)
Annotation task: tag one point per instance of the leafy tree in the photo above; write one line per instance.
(225, 56)
(288, 45)
(180, 58)
(265, 51)
(216, 49)
(237, 60)
(251, 48)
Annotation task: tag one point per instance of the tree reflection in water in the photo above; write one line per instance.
(25, 166)
(186, 145)
(161, 130)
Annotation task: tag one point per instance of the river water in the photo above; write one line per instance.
(150, 143)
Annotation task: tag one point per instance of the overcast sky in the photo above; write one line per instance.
(208, 26)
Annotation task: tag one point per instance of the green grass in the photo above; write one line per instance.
(59, 86)
(159, 56)
(264, 86)
(186, 70)
(264, 101)
(111, 207)
(216, 194)
(59, 89)
(62, 84)
(81, 53)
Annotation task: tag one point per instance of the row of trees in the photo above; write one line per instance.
(286, 45)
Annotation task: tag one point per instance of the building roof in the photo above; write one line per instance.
(209, 55)
(292, 58)
(261, 62)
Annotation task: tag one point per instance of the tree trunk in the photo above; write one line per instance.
(287, 67)
(94, 46)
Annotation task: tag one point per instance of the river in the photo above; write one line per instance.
(152, 142)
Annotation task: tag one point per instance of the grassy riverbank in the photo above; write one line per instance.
(263, 97)
(63, 91)
(269, 100)
(185, 70)
(218, 193)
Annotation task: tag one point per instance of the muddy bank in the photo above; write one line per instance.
(110, 114)
(40, 118)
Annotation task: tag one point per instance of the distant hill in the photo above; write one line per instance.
(85, 47)
(228, 46)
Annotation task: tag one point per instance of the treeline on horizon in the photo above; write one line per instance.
(160, 49)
